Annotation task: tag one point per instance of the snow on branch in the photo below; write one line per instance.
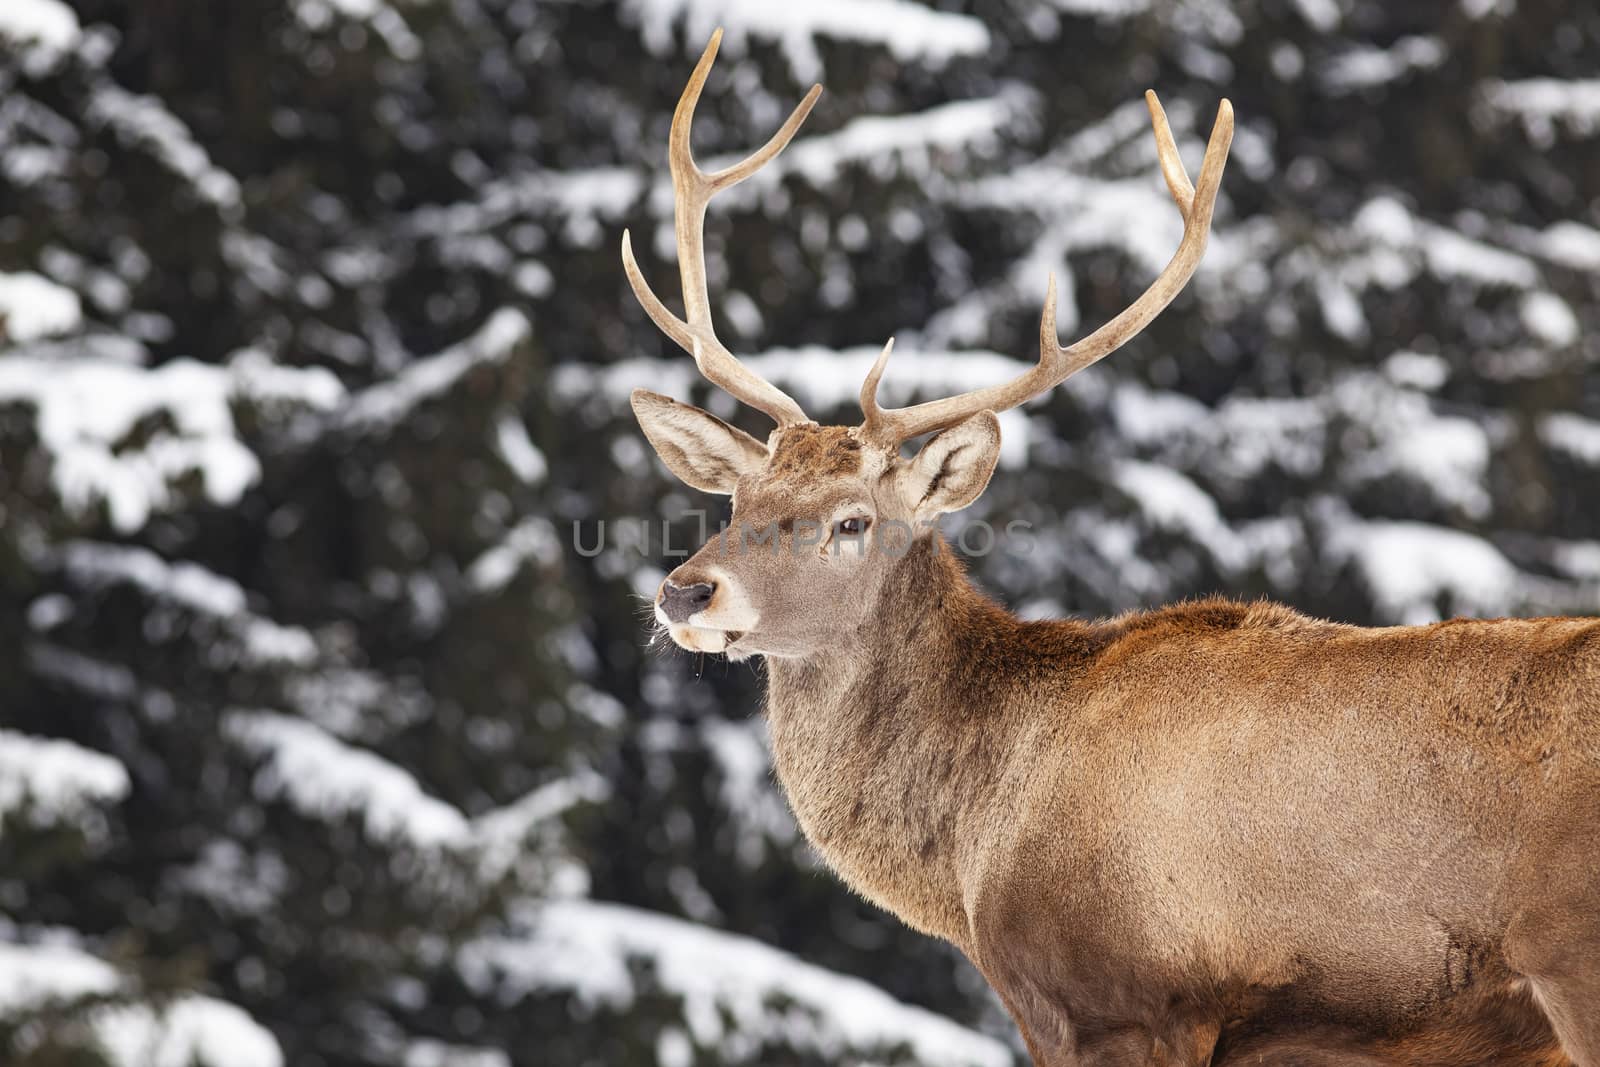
(1446, 253)
(1171, 501)
(1412, 568)
(1400, 435)
(386, 22)
(823, 380)
(327, 779)
(748, 791)
(324, 778)
(533, 540)
(194, 589)
(582, 197)
(190, 1030)
(124, 436)
(380, 407)
(528, 829)
(884, 140)
(910, 31)
(44, 31)
(144, 122)
(738, 994)
(1573, 435)
(32, 307)
(1544, 104)
(186, 1031)
(52, 783)
(1366, 66)
(1419, 573)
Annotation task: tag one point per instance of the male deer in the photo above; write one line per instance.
(1216, 833)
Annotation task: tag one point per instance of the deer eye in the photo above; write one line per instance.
(852, 526)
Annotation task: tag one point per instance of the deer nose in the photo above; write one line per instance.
(678, 602)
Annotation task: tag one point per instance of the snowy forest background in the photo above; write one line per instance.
(320, 741)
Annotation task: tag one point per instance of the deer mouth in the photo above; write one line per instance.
(703, 638)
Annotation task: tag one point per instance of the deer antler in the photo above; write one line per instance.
(892, 425)
(692, 190)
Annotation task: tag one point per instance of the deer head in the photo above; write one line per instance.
(820, 513)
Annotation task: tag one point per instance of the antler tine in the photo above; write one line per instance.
(692, 190)
(1195, 203)
(1172, 168)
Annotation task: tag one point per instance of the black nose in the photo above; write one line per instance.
(681, 601)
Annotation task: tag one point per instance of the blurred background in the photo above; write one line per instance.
(327, 737)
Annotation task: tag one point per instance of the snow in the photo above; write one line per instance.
(234, 881)
(32, 306)
(187, 584)
(1252, 433)
(1411, 568)
(1416, 370)
(45, 22)
(261, 381)
(909, 31)
(1388, 425)
(1549, 319)
(1102, 9)
(428, 1053)
(189, 1031)
(190, 586)
(145, 122)
(327, 779)
(1365, 67)
(1577, 436)
(1145, 416)
(582, 200)
(87, 410)
(533, 540)
(1445, 252)
(380, 407)
(1173, 502)
(748, 791)
(1446, 455)
(32, 976)
(822, 380)
(519, 451)
(85, 674)
(56, 783)
(388, 23)
(1571, 244)
(1544, 104)
(1323, 16)
(1341, 311)
(737, 992)
(46, 29)
(501, 835)
(911, 141)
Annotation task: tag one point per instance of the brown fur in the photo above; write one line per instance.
(813, 451)
(1217, 833)
(1044, 795)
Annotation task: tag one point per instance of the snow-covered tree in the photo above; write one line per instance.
(330, 732)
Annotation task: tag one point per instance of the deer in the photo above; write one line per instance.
(1216, 832)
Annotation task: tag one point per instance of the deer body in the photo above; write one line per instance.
(1213, 834)
(1211, 850)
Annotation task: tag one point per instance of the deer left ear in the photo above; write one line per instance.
(953, 468)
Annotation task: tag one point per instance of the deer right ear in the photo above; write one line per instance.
(953, 468)
(698, 447)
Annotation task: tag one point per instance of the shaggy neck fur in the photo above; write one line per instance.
(898, 744)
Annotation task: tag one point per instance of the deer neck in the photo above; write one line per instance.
(894, 748)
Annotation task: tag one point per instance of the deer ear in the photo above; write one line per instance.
(953, 468)
(695, 445)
